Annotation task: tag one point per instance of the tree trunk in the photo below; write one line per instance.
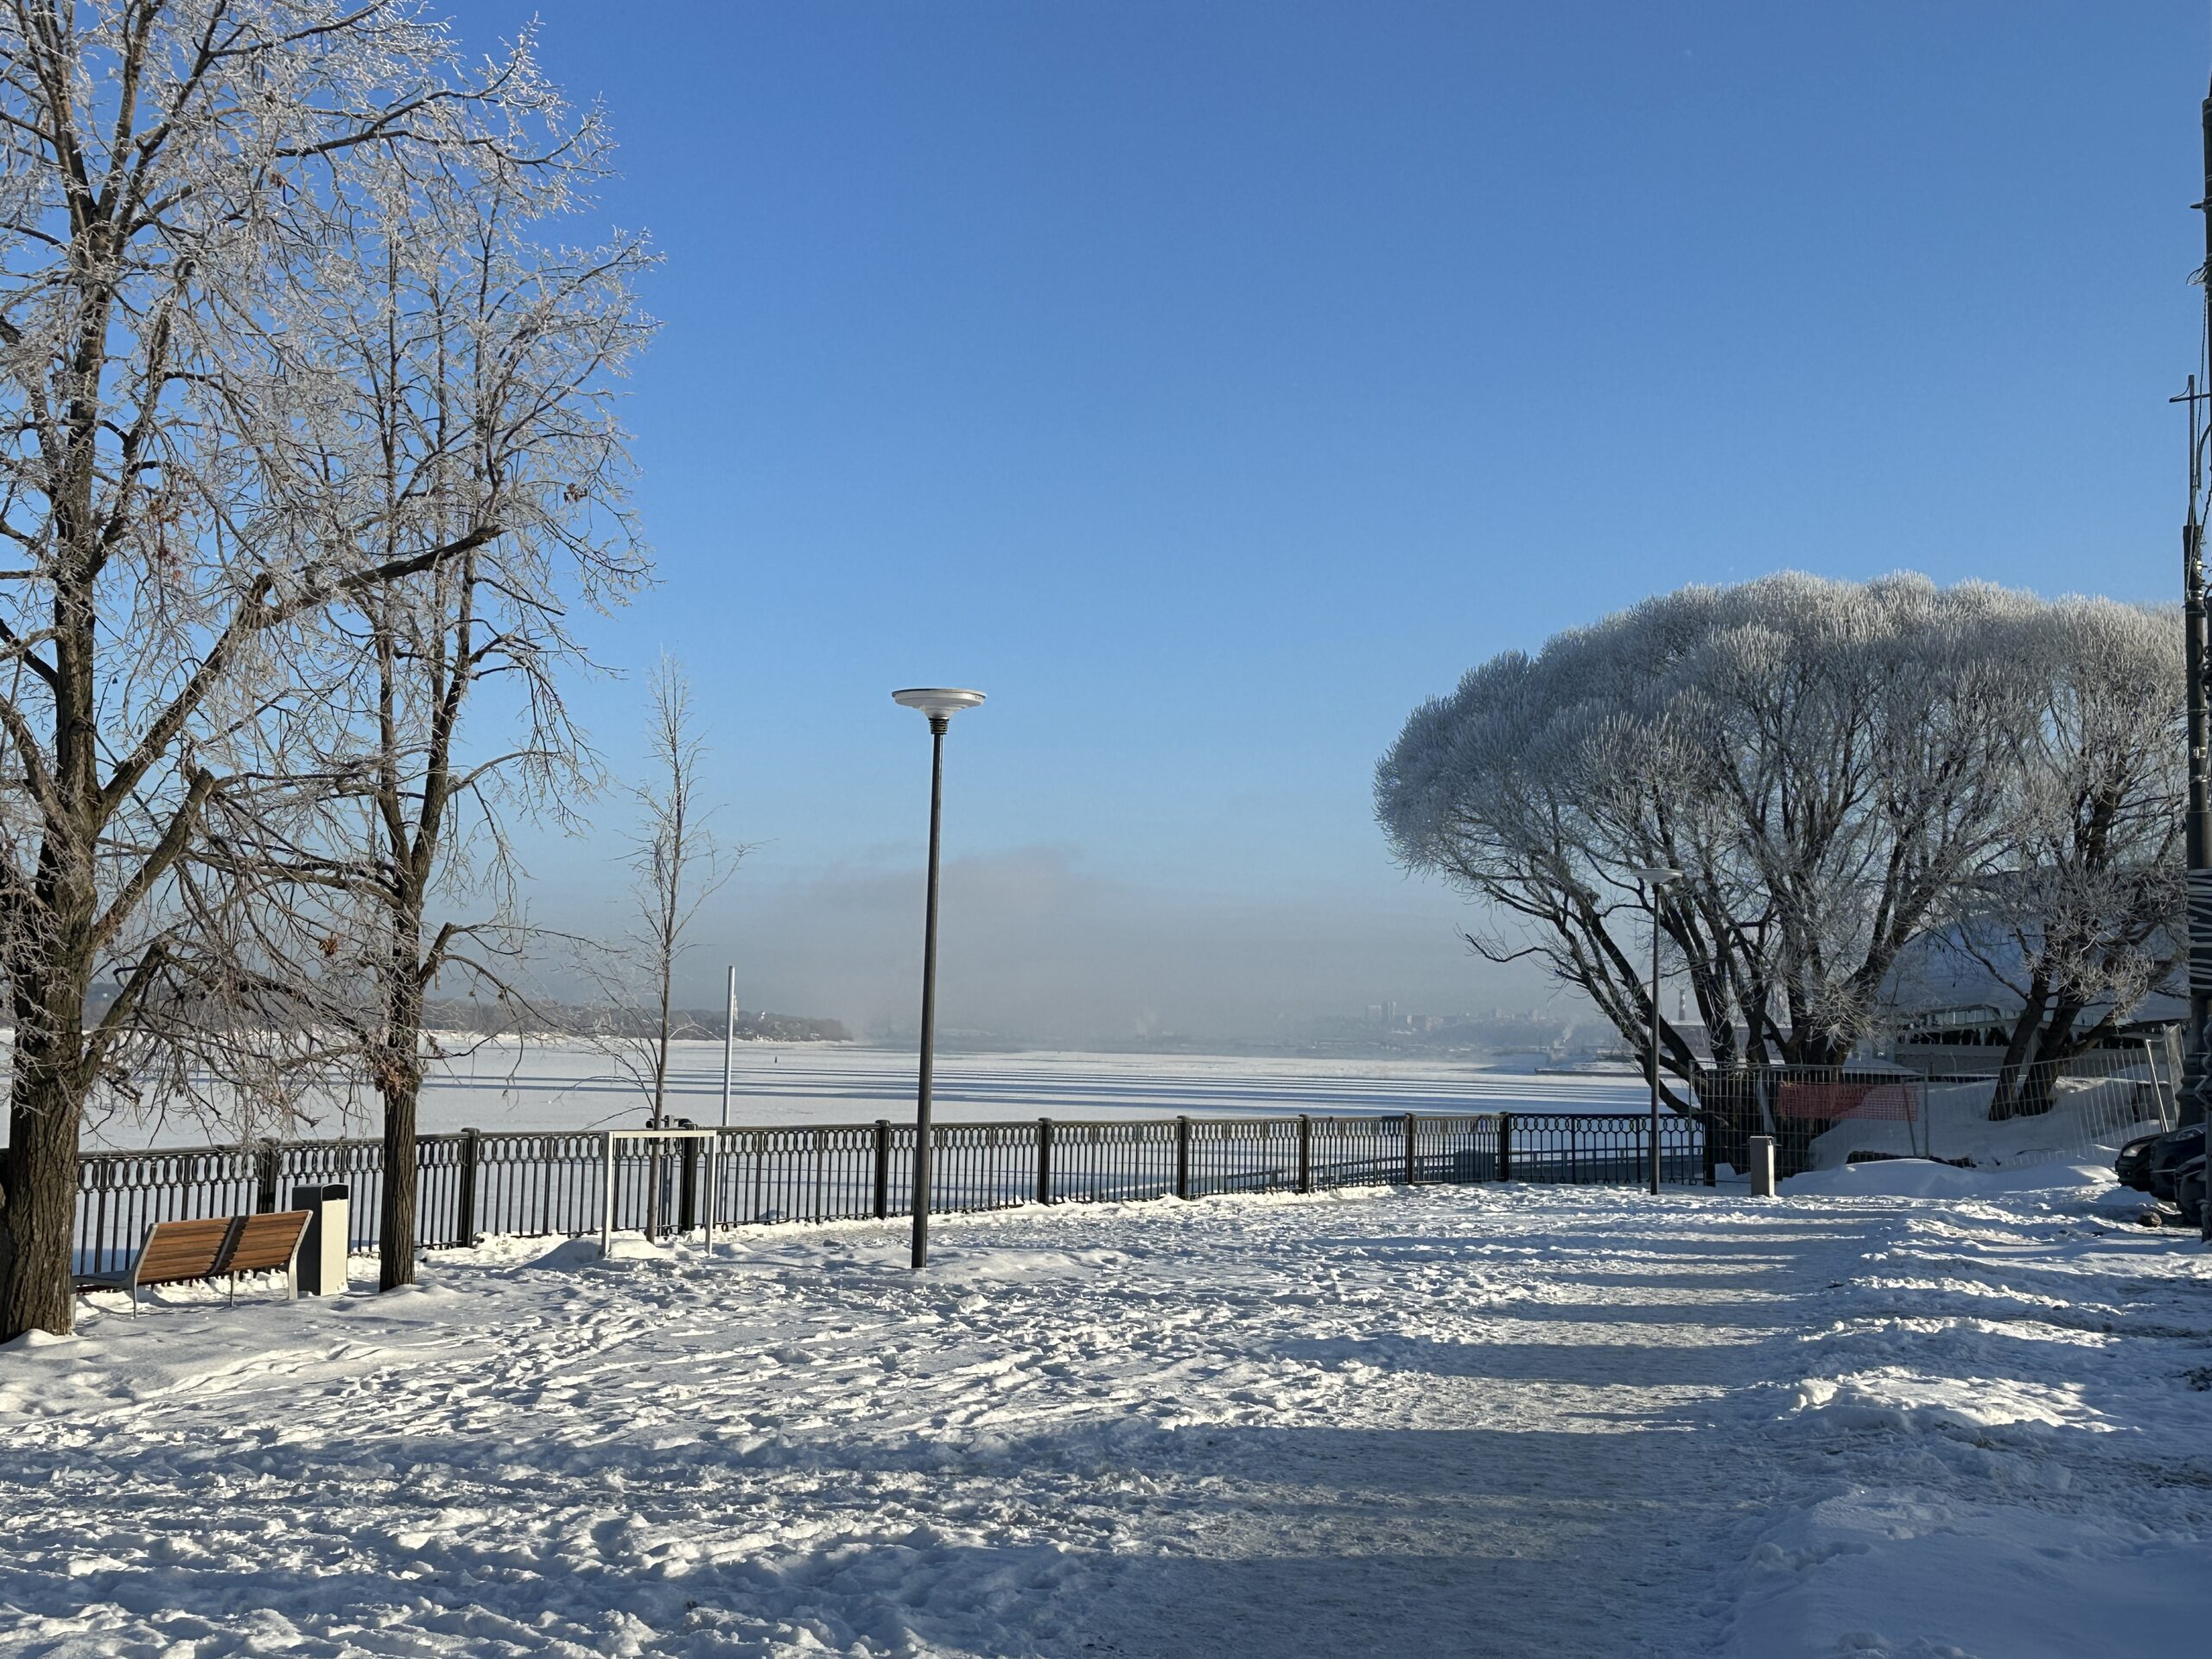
(38, 1173)
(396, 1214)
(1806, 1048)
(656, 1174)
(2004, 1103)
(2054, 1047)
(1729, 1098)
(38, 1206)
(399, 1081)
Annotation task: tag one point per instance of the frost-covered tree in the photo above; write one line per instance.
(1827, 761)
(192, 191)
(486, 369)
(2077, 911)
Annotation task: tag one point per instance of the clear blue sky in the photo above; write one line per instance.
(1210, 384)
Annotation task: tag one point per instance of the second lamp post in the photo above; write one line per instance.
(940, 703)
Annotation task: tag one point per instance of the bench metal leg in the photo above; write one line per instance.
(130, 1290)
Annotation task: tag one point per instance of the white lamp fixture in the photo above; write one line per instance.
(937, 701)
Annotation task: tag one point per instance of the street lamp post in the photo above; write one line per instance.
(940, 703)
(1655, 876)
(729, 1037)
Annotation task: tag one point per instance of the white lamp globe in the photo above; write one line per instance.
(937, 701)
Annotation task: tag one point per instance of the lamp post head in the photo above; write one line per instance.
(939, 702)
(1657, 875)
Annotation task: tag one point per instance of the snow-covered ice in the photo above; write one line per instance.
(561, 1084)
(1900, 1411)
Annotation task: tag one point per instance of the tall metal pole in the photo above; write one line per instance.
(2191, 1105)
(2198, 823)
(938, 723)
(729, 1039)
(1654, 1040)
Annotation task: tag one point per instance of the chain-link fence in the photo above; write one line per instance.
(2082, 1108)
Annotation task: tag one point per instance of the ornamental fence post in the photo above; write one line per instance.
(464, 1204)
(1412, 1151)
(607, 1192)
(882, 1168)
(266, 1158)
(1305, 1153)
(818, 1144)
(1505, 1146)
(1182, 1157)
(1043, 1160)
(687, 1202)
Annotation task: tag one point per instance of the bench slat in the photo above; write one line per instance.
(177, 1250)
(268, 1241)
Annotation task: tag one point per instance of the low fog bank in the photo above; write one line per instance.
(1035, 948)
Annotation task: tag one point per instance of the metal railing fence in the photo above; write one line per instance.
(552, 1183)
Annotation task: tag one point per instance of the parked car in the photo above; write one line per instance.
(2169, 1155)
(2133, 1166)
(2189, 1191)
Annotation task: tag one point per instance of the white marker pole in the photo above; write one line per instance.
(729, 1040)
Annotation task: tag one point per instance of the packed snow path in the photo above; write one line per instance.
(1494, 1420)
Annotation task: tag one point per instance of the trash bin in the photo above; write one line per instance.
(323, 1251)
(1762, 1154)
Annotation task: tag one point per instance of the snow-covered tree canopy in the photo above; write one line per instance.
(1838, 768)
(240, 241)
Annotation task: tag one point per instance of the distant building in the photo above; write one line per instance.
(1970, 1040)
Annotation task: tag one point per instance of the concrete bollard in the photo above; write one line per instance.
(1762, 1166)
(323, 1252)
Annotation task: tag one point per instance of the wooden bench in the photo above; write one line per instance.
(187, 1252)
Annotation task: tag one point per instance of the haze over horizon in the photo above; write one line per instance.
(1210, 386)
(1047, 951)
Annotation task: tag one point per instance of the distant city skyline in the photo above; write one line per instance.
(1210, 386)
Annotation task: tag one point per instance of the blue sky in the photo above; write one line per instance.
(1210, 384)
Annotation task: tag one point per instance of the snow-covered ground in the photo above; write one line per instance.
(1905, 1411)
(547, 1085)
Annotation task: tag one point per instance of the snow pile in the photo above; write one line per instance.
(1566, 1422)
(2045, 1185)
(2086, 1114)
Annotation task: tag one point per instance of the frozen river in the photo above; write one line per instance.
(571, 1085)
